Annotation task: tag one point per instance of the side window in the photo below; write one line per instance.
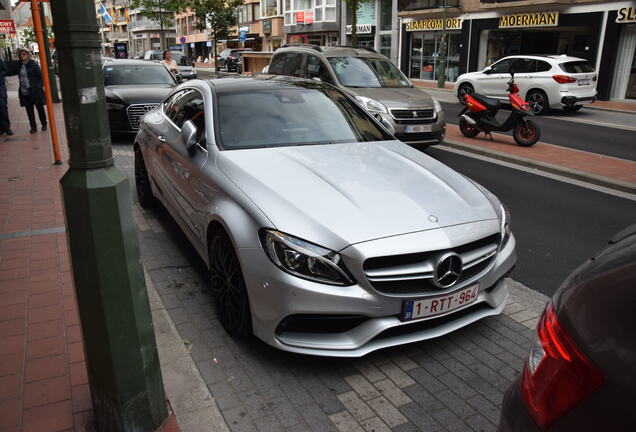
(522, 65)
(167, 105)
(187, 105)
(316, 69)
(276, 65)
(543, 66)
(293, 65)
(502, 66)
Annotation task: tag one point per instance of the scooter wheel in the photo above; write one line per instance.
(467, 129)
(526, 133)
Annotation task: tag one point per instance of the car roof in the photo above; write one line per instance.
(262, 82)
(329, 51)
(558, 57)
(122, 62)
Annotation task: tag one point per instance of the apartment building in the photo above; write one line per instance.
(113, 27)
(482, 31)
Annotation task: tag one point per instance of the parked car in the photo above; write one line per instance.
(379, 86)
(133, 88)
(545, 81)
(231, 59)
(323, 234)
(184, 66)
(580, 373)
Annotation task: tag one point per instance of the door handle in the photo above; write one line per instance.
(161, 138)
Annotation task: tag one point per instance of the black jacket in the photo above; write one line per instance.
(36, 86)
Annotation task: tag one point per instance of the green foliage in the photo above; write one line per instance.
(220, 16)
(27, 37)
(160, 11)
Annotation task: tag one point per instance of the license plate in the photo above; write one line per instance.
(583, 82)
(431, 306)
(418, 128)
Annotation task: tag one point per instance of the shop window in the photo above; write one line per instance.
(385, 45)
(425, 57)
(257, 11)
(406, 5)
(385, 14)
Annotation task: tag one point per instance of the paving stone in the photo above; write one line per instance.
(211, 372)
(224, 395)
(375, 425)
(316, 418)
(457, 404)
(356, 406)
(485, 408)
(479, 423)
(426, 379)
(363, 387)
(423, 398)
(369, 370)
(285, 412)
(397, 375)
(407, 427)
(238, 379)
(420, 418)
(334, 382)
(295, 392)
(238, 419)
(387, 412)
(254, 403)
(392, 392)
(268, 424)
(345, 422)
(458, 386)
(403, 361)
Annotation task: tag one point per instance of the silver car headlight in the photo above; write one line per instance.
(371, 105)
(303, 259)
(437, 105)
(505, 224)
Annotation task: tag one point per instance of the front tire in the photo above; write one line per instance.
(526, 133)
(228, 286)
(467, 129)
(142, 182)
(538, 101)
(463, 90)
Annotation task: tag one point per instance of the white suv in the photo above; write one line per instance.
(545, 81)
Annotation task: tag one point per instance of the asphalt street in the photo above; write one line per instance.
(557, 225)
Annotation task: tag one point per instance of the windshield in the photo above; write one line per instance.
(180, 58)
(291, 116)
(367, 72)
(136, 75)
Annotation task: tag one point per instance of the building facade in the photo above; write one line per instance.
(315, 22)
(146, 34)
(480, 32)
(113, 27)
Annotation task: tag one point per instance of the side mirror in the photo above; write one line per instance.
(189, 136)
(387, 124)
(487, 70)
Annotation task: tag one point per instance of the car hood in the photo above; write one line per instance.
(404, 97)
(340, 194)
(135, 94)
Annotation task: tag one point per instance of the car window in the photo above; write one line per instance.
(181, 59)
(305, 114)
(543, 66)
(502, 66)
(150, 73)
(293, 65)
(188, 105)
(276, 65)
(317, 69)
(522, 65)
(367, 72)
(581, 66)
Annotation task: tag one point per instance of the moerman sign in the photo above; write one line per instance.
(533, 19)
(434, 24)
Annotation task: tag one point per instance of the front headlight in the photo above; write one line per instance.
(437, 105)
(303, 259)
(371, 105)
(114, 106)
(505, 224)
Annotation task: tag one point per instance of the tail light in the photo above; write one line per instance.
(557, 375)
(563, 79)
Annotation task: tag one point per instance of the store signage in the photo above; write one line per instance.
(267, 27)
(626, 15)
(435, 24)
(309, 17)
(7, 27)
(532, 19)
(300, 17)
(361, 29)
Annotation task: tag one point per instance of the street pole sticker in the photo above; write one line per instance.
(7, 27)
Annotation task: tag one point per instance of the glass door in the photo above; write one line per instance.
(416, 55)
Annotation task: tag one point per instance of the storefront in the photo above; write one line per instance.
(424, 39)
(624, 76)
(312, 22)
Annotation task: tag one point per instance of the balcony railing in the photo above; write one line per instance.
(409, 5)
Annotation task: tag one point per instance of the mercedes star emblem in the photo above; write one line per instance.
(448, 270)
(432, 218)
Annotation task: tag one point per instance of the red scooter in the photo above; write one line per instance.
(479, 116)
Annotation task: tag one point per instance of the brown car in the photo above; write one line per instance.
(580, 374)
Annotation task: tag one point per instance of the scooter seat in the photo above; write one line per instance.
(490, 103)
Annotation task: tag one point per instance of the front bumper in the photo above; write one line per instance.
(276, 295)
(432, 137)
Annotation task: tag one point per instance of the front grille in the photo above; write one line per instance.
(413, 114)
(319, 323)
(416, 137)
(412, 274)
(136, 112)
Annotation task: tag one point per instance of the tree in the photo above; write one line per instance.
(27, 37)
(353, 7)
(216, 16)
(161, 11)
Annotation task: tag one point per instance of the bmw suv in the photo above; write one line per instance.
(407, 111)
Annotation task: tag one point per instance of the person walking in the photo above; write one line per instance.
(5, 124)
(31, 90)
(169, 62)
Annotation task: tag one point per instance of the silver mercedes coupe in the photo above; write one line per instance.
(323, 234)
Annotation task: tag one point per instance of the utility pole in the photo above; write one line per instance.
(55, 94)
(121, 353)
(441, 58)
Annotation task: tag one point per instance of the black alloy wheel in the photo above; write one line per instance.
(228, 286)
(463, 90)
(538, 102)
(142, 182)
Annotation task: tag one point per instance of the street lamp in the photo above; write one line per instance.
(441, 70)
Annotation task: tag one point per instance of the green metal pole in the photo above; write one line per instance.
(441, 59)
(52, 77)
(121, 353)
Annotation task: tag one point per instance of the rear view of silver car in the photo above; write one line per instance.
(323, 234)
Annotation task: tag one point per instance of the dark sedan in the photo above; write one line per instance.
(580, 374)
(133, 87)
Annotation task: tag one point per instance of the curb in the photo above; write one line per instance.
(596, 179)
(611, 109)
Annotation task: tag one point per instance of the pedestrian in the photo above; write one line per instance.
(31, 90)
(5, 124)
(169, 62)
